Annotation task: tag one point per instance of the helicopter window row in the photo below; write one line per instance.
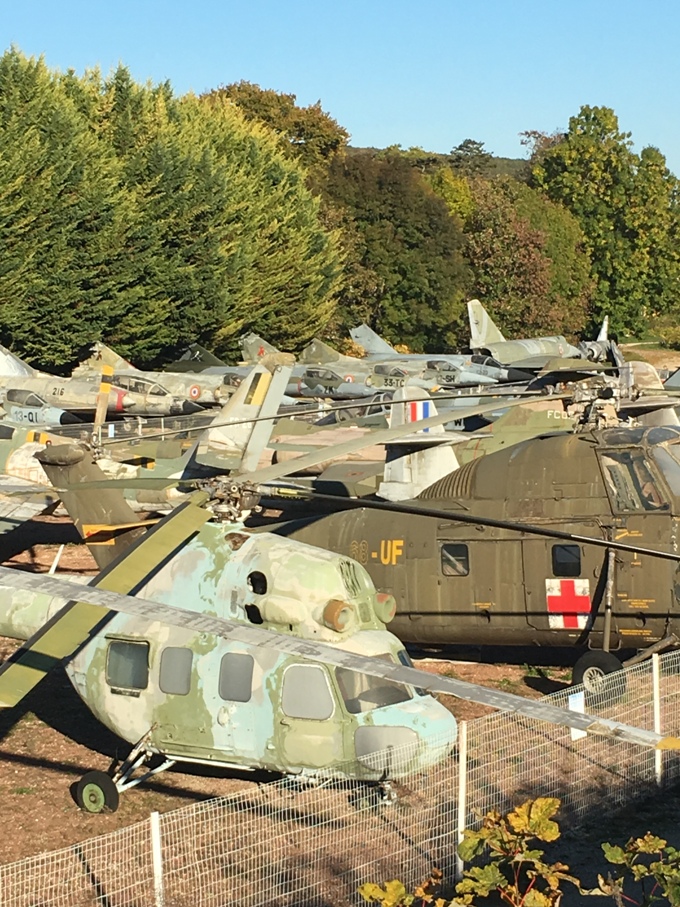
(175, 671)
(127, 666)
(566, 560)
(455, 559)
(631, 484)
(236, 677)
(306, 693)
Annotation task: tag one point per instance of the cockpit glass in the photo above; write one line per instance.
(668, 460)
(631, 483)
(362, 693)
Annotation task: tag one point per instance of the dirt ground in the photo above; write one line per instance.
(659, 358)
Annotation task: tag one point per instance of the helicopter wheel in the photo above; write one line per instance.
(96, 792)
(593, 670)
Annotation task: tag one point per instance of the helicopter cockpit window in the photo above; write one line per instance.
(175, 672)
(455, 559)
(362, 693)
(405, 659)
(306, 693)
(236, 677)
(668, 460)
(127, 666)
(630, 483)
(566, 560)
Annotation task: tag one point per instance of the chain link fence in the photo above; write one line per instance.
(288, 844)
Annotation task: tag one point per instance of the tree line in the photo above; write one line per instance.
(147, 220)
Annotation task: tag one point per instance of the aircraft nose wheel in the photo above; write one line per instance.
(96, 792)
(593, 670)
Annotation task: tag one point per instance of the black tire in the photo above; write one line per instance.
(600, 674)
(96, 792)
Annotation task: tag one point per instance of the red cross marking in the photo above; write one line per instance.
(568, 604)
(260, 352)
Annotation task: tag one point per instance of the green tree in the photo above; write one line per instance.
(408, 240)
(227, 237)
(625, 205)
(308, 133)
(507, 258)
(63, 219)
(470, 158)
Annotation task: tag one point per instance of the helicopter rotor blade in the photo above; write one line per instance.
(67, 631)
(288, 492)
(102, 397)
(102, 597)
(383, 436)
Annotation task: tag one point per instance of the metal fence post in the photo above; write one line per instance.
(462, 793)
(656, 690)
(157, 859)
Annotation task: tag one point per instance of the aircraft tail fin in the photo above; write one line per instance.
(415, 461)
(198, 354)
(319, 353)
(254, 348)
(533, 418)
(483, 330)
(603, 334)
(233, 436)
(69, 465)
(373, 343)
(12, 366)
(101, 354)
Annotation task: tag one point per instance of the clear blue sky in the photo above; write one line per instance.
(428, 73)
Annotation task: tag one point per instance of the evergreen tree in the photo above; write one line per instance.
(63, 219)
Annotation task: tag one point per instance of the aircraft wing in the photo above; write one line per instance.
(21, 500)
(327, 654)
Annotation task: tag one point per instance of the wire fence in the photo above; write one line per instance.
(287, 844)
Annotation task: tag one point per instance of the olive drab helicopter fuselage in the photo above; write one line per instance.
(460, 583)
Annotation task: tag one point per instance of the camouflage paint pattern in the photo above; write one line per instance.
(286, 586)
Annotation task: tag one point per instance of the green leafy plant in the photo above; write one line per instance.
(648, 861)
(515, 870)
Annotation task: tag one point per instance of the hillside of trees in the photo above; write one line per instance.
(147, 220)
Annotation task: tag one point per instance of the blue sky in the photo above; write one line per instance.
(428, 73)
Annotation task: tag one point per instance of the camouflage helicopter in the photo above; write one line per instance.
(225, 647)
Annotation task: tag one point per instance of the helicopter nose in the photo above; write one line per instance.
(393, 750)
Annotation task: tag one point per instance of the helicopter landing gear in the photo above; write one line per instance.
(593, 670)
(96, 791)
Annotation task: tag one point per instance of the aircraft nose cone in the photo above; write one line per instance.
(517, 376)
(185, 408)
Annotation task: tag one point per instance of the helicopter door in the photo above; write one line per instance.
(564, 590)
(476, 579)
(210, 717)
(312, 725)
